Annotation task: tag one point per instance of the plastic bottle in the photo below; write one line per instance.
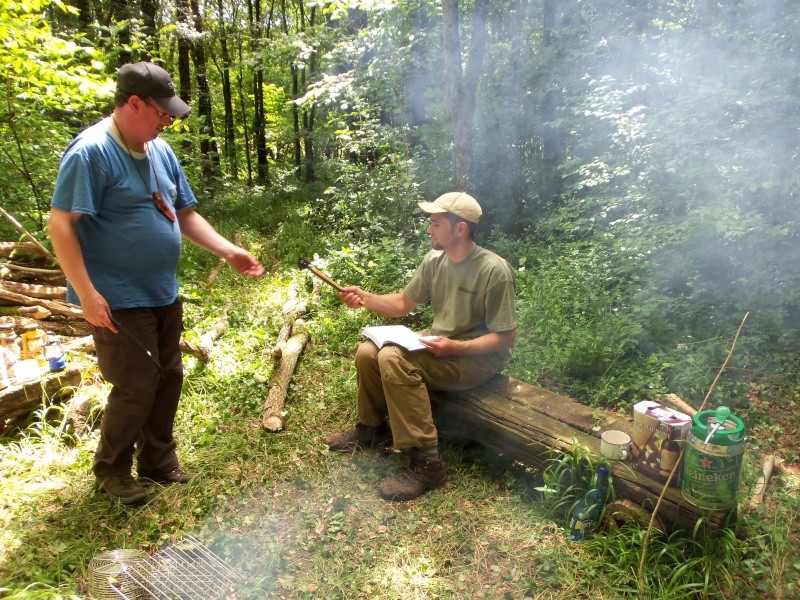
(586, 516)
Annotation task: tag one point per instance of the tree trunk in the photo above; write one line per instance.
(552, 145)
(298, 155)
(121, 11)
(259, 119)
(309, 111)
(184, 60)
(208, 140)
(227, 97)
(452, 77)
(149, 11)
(461, 88)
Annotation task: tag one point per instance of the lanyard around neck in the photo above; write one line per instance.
(161, 205)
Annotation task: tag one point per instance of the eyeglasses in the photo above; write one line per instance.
(162, 206)
(164, 116)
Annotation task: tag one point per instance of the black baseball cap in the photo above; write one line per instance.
(148, 80)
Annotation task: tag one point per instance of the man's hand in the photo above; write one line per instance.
(245, 263)
(486, 344)
(96, 311)
(353, 296)
(441, 346)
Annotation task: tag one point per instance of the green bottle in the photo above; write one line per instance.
(586, 515)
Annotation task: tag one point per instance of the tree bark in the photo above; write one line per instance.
(461, 87)
(272, 417)
(552, 144)
(227, 96)
(63, 309)
(19, 400)
(35, 290)
(208, 139)
(183, 14)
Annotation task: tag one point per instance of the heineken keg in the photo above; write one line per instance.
(713, 459)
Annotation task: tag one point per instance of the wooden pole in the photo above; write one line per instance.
(22, 230)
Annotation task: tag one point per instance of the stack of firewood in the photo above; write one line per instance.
(31, 288)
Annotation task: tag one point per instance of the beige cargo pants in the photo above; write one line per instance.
(395, 382)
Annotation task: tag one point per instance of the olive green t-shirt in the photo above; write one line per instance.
(469, 298)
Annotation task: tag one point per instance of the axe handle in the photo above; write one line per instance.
(325, 278)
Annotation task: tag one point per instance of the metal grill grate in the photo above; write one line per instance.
(187, 570)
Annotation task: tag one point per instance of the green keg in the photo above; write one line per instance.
(713, 459)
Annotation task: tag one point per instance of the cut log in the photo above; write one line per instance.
(14, 272)
(205, 346)
(763, 479)
(527, 423)
(20, 400)
(82, 345)
(293, 309)
(32, 312)
(63, 309)
(35, 290)
(681, 405)
(196, 350)
(272, 417)
(7, 249)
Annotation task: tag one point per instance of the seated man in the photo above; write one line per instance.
(471, 291)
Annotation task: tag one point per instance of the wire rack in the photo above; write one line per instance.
(186, 570)
(108, 575)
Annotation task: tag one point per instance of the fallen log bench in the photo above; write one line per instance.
(527, 424)
(20, 399)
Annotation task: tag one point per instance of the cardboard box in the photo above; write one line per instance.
(655, 446)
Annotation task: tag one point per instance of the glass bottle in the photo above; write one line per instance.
(586, 516)
(9, 348)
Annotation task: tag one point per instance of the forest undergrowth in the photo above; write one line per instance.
(297, 521)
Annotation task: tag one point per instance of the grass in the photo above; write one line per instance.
(300, 522)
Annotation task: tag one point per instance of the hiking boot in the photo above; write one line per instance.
(360, 437)
(423, 474)
(122, 489)
(176, 475)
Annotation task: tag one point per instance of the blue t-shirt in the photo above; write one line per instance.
(130, 248)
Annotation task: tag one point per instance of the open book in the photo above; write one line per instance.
(393, 334)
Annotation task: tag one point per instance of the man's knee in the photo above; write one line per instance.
(366, 353)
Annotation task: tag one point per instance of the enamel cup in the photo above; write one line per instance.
(614, 444)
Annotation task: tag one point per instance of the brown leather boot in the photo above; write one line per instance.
(360, 437)
(423, 474)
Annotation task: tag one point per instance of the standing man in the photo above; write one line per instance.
(471, 291)
(120, 205)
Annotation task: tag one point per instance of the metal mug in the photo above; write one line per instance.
(615, 444)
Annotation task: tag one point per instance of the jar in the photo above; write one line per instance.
(5, 381)
(9, 352)
(33, 340)
(10, 340)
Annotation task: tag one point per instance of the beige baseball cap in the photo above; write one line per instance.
(458, 203)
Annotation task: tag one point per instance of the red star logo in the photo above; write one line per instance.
(706, 463)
